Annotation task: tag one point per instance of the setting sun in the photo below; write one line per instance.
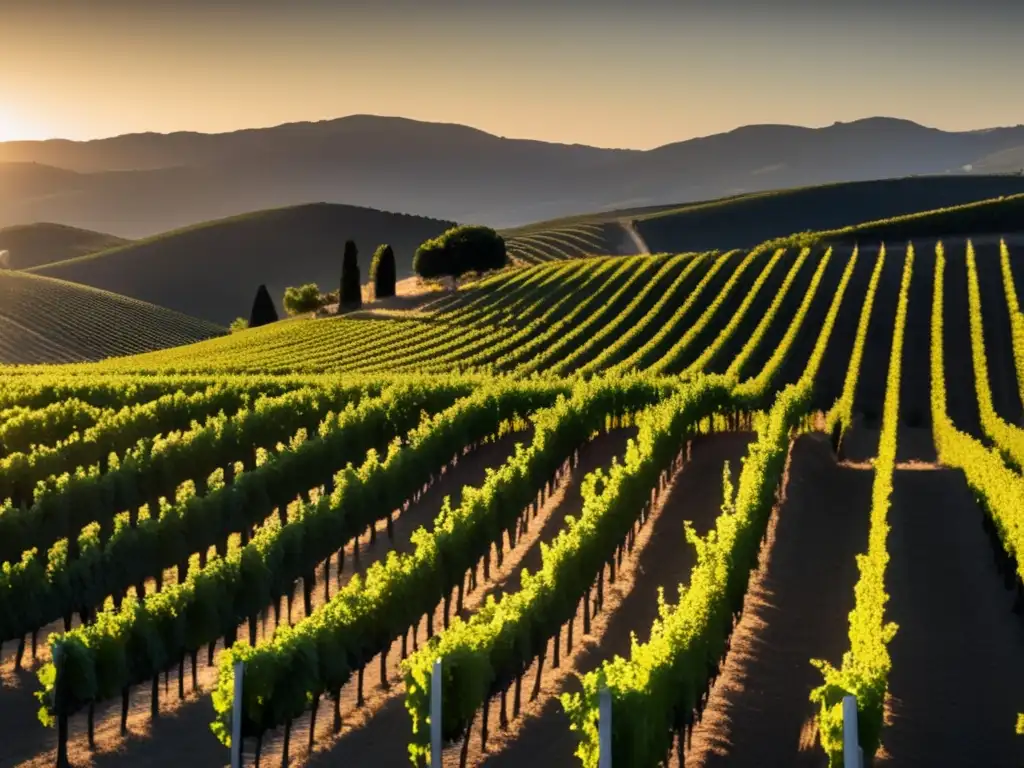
(10, 127)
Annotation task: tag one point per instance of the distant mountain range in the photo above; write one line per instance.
(139, 185)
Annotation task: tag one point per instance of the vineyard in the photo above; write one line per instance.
(722, 490)
(534, 245)
(43, 320)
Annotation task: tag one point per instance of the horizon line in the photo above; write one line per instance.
(290, 123)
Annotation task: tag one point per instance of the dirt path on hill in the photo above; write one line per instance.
(796, 608)
(633, 239)
(661, 558)
(957, 668)
(182, 734)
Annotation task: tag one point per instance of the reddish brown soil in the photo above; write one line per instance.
(957, 667)
(182, 734)
(380, 732)
(795, 610)
(662, 558)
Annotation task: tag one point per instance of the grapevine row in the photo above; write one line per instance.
(319, 654)
(130, 645)
(656, 691)
(672, 357)
(1009, 438)
(864, 672)
(485, 655)
(711, 350)
(37, 591)
(155, 467)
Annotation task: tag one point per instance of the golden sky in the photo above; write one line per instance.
(636, 73)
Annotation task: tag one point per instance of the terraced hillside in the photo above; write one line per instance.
(680, 479)
(43, 320)
(33, 245)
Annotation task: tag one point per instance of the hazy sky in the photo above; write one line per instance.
(619, 73)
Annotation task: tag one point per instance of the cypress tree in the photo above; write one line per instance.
(263, 310)
(383, 272)
(351, 296)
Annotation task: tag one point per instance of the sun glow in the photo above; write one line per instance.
(11, 127)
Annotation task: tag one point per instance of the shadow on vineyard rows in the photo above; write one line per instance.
(182, 734)
(795, 610)
(957, 667)
(662, 558)
(380, 732)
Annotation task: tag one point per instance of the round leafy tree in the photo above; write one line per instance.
(460, 250)
(383, 272)
(302, 299)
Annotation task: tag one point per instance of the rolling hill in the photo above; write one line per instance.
(140, 185)
(212, 270)
(43, 320)
(34, 245)
(743, 221)
(291, 246)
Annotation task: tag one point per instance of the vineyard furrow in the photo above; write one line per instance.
(653, 318)
(865, 668)
(660, 281)
(661, 342)
(1007, 437)
(396, 595)
(672, 359)
(214, 600)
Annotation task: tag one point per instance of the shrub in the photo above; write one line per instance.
(460, 250)
(305, 298)
(263, 309)
(238, 324)
(383, 272)
(351, 286)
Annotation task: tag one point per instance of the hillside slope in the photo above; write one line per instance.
(212, 270)
(33, 245)
(139, 185)
(535, 244)
(43, 320)
(742, 222)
